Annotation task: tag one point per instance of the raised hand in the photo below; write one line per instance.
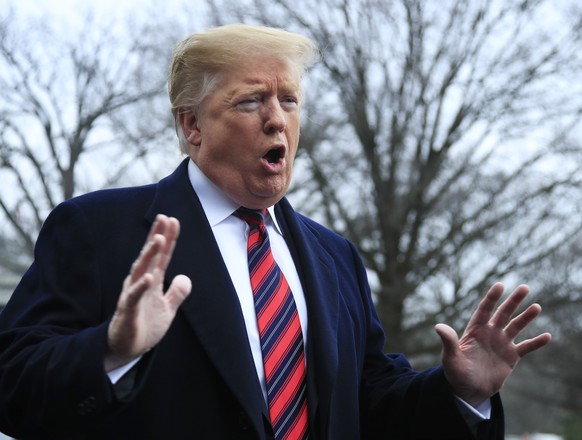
(477, 364)
(144, 313)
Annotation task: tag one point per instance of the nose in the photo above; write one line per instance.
(274, 117)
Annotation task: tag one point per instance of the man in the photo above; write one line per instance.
(181, 351)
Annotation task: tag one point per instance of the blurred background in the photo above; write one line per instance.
(443, 137)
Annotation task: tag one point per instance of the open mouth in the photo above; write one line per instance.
(274, 155)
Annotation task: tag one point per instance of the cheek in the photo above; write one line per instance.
(294, 145)
(294, 130)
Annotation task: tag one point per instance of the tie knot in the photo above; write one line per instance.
(251, 216)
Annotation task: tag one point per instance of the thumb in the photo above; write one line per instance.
(178, 291)
(449, 339)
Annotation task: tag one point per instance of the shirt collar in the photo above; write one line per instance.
(216, 204)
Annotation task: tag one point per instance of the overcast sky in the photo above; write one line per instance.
(70, 9)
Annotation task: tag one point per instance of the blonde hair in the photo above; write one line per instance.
(199, 58)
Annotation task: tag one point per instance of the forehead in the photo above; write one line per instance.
(261, 73)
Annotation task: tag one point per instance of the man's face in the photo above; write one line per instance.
(245, 134)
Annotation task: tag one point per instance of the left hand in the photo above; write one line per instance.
(478, 364)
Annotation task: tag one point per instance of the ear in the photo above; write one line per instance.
(189, 123)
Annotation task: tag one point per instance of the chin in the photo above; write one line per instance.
(264, 202)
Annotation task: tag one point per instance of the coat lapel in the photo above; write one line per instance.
(318, 277)
(212, 309)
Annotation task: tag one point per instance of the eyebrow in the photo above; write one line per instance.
(258, 86)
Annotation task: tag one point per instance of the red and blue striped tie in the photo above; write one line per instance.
(280, 334)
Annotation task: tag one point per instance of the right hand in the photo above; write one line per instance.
(144, 313)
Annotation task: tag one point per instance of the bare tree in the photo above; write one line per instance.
(439, 137)
(81, 107)
(443, 151)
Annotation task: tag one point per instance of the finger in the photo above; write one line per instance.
(533, 344)
(158, 226)
(506, 310)
(146, 258)
(482, 314)
(449, 339)
(133, 291)
(178, 291)
(171, 233)
(520, 322)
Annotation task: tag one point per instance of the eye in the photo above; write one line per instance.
(289, 102)
(249, 102)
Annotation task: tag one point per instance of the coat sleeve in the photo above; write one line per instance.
(53, 334)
